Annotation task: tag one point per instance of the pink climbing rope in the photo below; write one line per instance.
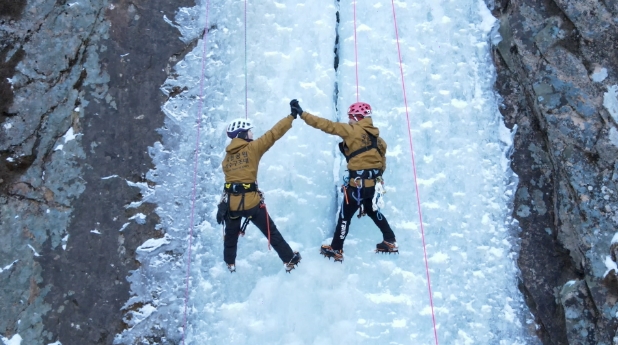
(418, 200)
(355, 53)
(197, 150)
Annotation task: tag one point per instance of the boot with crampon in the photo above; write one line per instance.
(329, 252)
(292, 263)
(387, 247)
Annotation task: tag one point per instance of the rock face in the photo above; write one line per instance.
(557, 71)
(78, 111)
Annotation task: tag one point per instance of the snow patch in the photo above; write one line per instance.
(65, 239)
(439, 257)
(613, 136)
(140, 315)
(610, 101)
(69, 135)
(15, 340)
(363, 27)
(7, 267)
(599, 74)
(459, 103)
(8, 126)
(95, 231)
(154, 243)
(139, 218)
(488, 20)
(611, 265)
(34, 251)
(509, 313)
(389, 298)
(615, 238)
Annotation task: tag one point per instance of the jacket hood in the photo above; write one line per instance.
(367, 124)
(236, 145)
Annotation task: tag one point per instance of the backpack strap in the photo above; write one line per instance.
(374, 145)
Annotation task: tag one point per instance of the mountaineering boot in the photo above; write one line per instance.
(292, 263)
(329, 252)
(387, 247)
(231, 267)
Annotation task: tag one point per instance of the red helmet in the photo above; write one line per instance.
(360, 110)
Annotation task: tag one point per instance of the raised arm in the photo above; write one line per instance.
(336, 128)
(341, 129)
(266, 141)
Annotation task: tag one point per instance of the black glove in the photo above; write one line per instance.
(222, 211)
(295, 108)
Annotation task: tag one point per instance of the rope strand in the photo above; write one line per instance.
(418, 200)
(197, 150)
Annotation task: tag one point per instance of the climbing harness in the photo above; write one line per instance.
(243, 188)
(239, 188)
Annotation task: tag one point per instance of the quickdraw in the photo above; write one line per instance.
(378, 197)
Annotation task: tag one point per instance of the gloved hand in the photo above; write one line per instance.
(222, 210)
(295, 108)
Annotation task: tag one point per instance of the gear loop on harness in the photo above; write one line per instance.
(235, 188)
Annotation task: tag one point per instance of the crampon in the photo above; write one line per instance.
(387, 247)
(329, 252)
(292, 263)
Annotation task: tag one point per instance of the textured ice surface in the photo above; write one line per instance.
(461, 150)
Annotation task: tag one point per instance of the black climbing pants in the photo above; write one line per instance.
(257, 215)
(355, 198)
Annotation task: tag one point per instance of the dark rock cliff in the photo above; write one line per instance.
(557, 65)
(78, 112)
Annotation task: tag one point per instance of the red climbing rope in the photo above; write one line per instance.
(418, 200)
(197, 151)
(267, 225)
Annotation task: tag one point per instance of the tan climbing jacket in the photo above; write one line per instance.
(355, 137)
(242, 160)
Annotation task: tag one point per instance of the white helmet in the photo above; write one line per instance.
(237, 126)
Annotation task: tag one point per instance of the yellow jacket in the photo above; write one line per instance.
(242, 160)
(355, 137)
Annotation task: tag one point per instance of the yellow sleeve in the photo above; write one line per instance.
(336, 128)
(266, 141)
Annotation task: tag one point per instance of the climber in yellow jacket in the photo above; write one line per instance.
(242, 198)
(365, 153)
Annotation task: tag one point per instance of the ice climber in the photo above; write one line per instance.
(242, 198)
(365, 153)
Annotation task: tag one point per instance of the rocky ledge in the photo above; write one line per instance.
(67, 177)
(557, 73)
